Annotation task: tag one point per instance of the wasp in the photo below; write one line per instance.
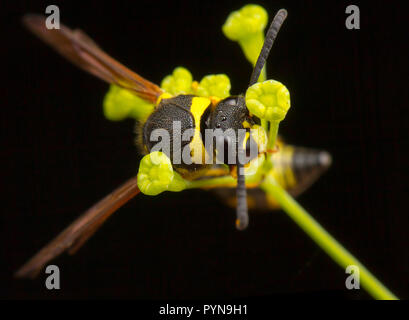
(294, 168)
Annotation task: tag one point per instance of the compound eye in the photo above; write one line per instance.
(220, 118)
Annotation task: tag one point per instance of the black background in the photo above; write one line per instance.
(60, 155)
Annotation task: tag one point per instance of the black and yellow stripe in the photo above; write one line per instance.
(295, 169)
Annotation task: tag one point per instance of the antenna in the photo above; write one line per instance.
(242, 215)
(268, 43)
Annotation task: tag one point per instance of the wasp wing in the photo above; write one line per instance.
(78, 48)
(78, 232)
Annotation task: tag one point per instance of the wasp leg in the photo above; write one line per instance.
(217, 171)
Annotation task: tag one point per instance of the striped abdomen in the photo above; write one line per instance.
(295, 169)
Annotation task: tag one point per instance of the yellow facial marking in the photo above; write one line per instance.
(247, 136)
(246, 125)
(199, 105)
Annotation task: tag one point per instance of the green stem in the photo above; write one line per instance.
(263, 75)
(317, 233)
(251, 46)
(211, 182)
(264, 124)
(272, 134)
(331, 246)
